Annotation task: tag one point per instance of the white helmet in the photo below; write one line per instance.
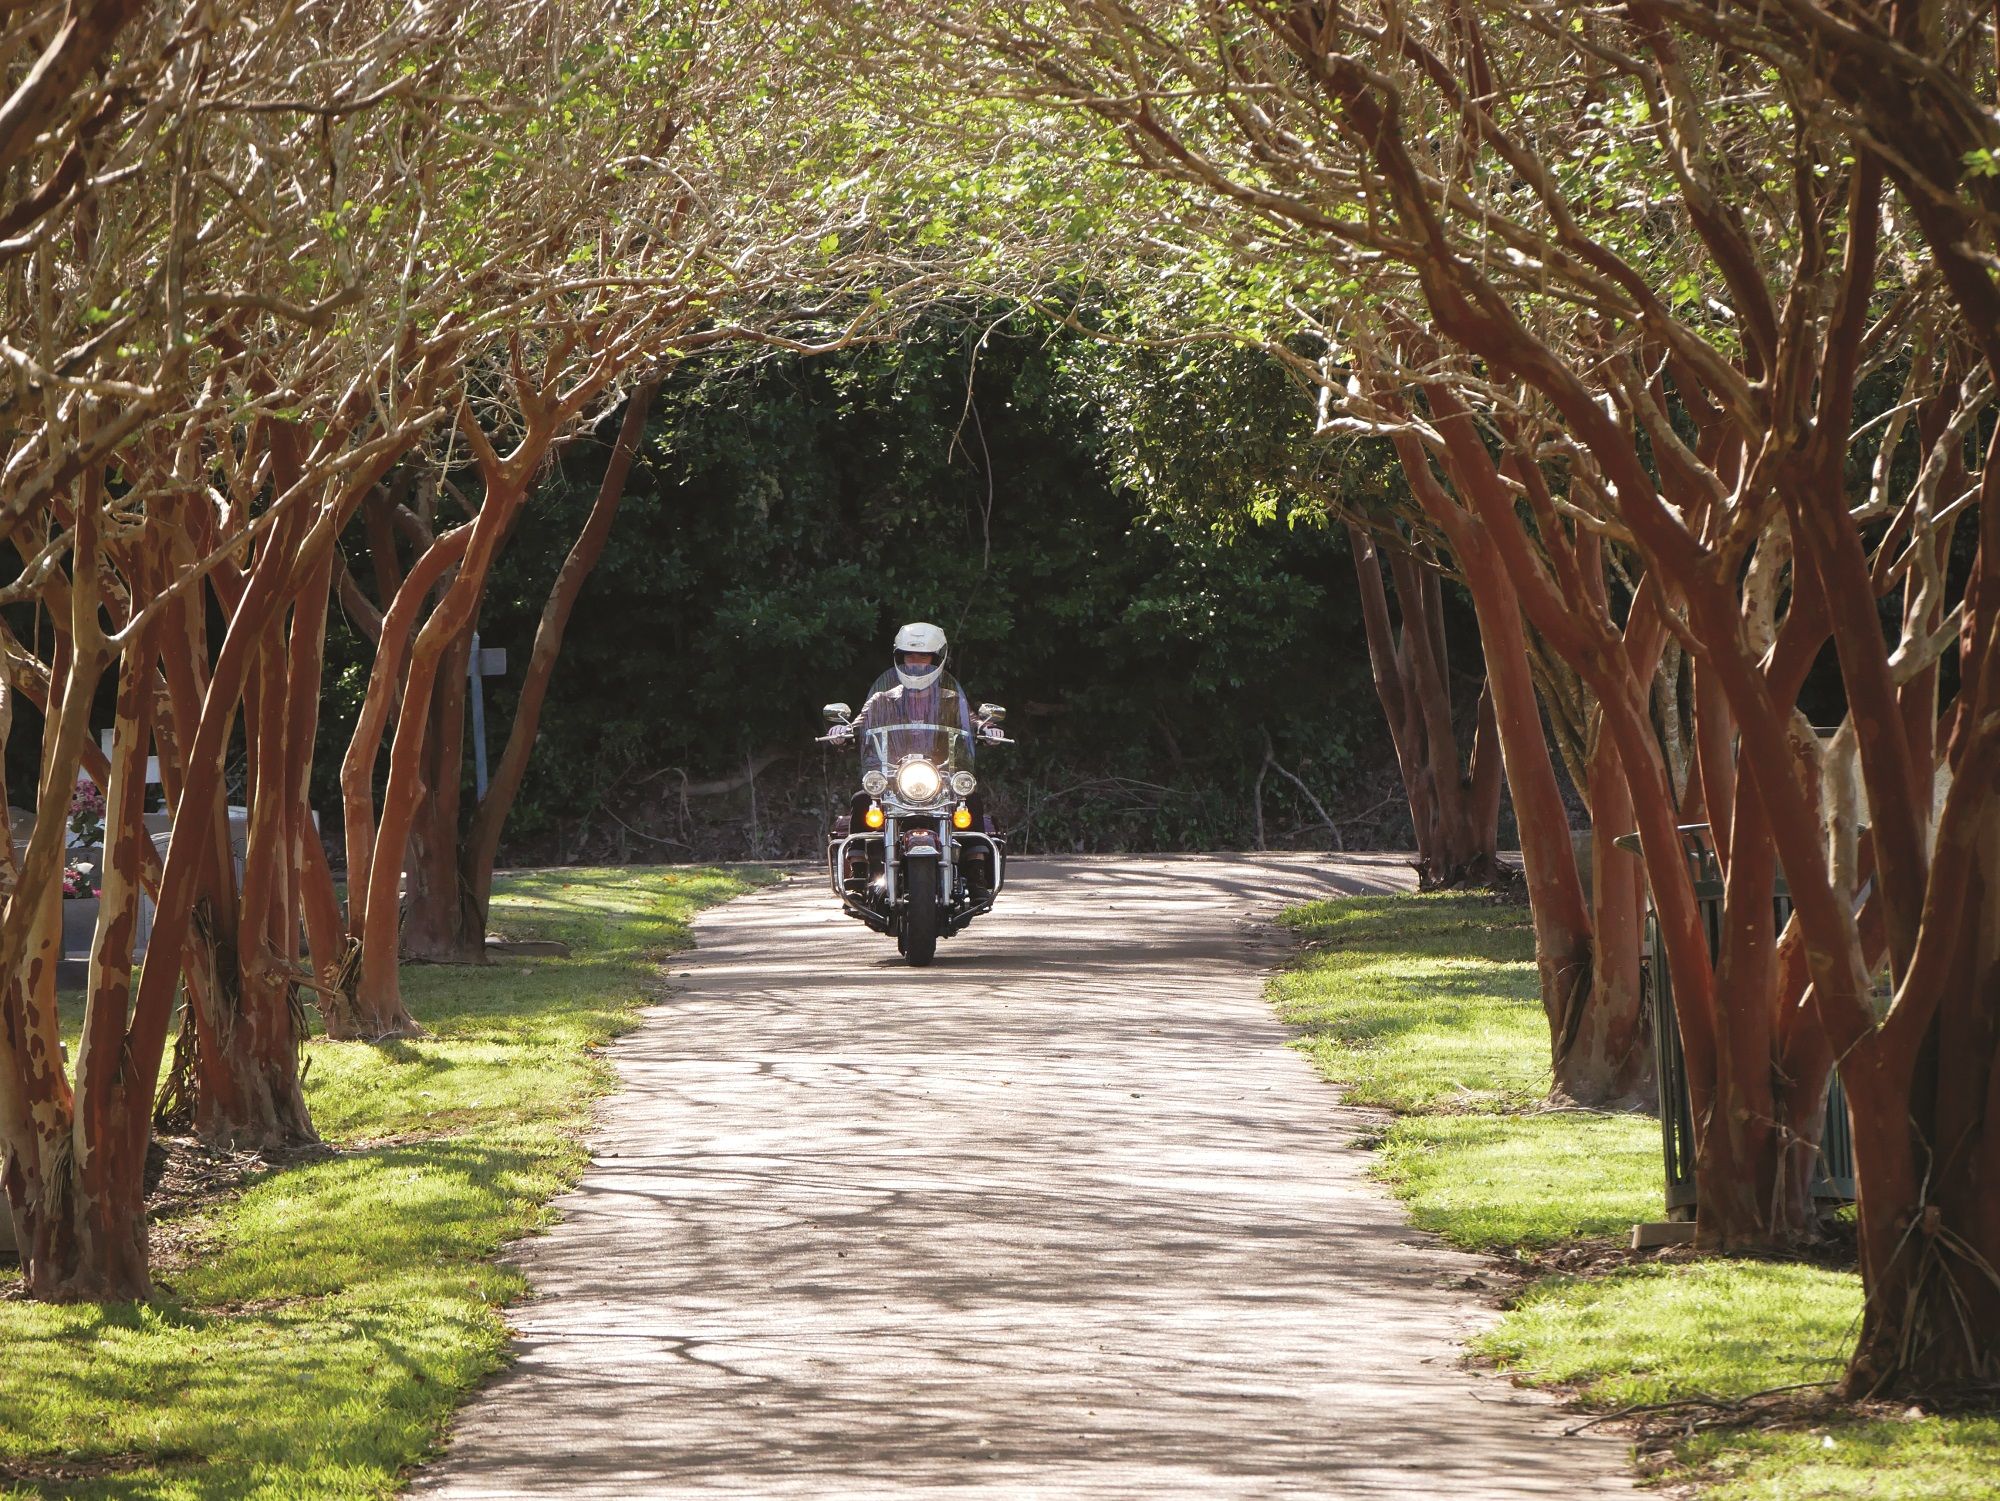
(920, 636)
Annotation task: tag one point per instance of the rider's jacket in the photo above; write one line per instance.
(940, 707)
(942, 703)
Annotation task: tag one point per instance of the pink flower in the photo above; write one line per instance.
(86, 813)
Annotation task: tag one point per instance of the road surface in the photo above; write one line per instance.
(1061, 1216)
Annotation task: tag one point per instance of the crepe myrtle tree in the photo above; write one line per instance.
(1454, 803)
(130, 309)
(1785, 399)
(1423, 145)
(315, 288)
(717, 226)
(1910, 89)
(75, 1143)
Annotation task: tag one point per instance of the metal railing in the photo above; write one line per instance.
(1833, 1173)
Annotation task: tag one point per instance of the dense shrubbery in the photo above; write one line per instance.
(787, 517)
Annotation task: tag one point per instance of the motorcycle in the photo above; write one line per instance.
(910, 858)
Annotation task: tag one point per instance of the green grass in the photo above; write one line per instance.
(1427, 1006)
(1419, 1003)
(338, 1310)
(1494, 1182)
(1661, 1333)
(1935, 1459)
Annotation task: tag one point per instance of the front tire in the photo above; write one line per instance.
(922, 917)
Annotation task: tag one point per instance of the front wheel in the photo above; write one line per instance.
(922, 917)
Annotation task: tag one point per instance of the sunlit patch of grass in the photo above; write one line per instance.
(1934, 1459)
(1429, 1006)
(343, 1306)
(1419, 1002)
(1666, 1332)
(1494, 1182)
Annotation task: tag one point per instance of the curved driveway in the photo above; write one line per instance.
(1061, 1216)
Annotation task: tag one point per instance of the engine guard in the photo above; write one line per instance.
(955, 918)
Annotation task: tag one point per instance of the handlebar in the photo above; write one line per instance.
(843, 734)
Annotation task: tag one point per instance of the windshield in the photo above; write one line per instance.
(898, 722)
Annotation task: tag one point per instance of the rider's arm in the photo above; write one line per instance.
(865, 720)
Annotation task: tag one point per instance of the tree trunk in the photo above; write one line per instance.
(1603, 1055)
(97, 1235)
(1925, 1090)
(1556, 904)
(1744, 1105)
(379, 989)
(248, 1092)
(380, 1012)
(441, 925)
(311, 896)
(1455, 816)
(482, 840)
(77, 1217)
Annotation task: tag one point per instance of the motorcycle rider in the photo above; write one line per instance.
(916, 689)
(917, 692)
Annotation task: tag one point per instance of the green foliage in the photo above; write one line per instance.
(788, 515)
(1934, 1459)
(325, 1325)
(1501, 1181)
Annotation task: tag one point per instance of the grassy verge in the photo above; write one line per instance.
(1427, 1006)
(317, 1332)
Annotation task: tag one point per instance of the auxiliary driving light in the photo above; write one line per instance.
(961, 817)
(963, 783)
(873, 817)
(917, 781)
(874, 783)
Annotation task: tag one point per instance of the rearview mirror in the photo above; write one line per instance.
(837, 713)
(993, 713)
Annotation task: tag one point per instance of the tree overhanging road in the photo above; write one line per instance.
(1061, 1216)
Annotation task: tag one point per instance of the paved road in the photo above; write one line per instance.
(1061, 1216)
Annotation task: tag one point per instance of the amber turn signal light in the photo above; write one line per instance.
(873, 817)
(961, 817)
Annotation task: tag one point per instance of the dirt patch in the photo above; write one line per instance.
(184, 1176)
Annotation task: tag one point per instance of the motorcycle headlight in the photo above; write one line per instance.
(963, 782)
(917, 781)
(874, 783)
